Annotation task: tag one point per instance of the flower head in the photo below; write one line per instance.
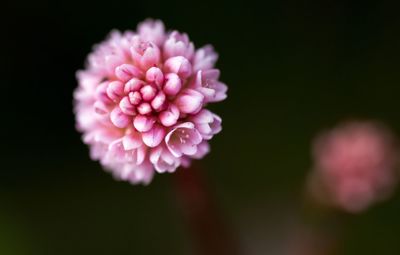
(355, 164)
(140, 101)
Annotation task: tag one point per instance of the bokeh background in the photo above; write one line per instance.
(293, 68)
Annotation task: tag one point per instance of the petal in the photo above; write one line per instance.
(163, 160)
(170, 116)
(151, 56)
(220, 94)
(212, 74)
(188, 149)
(175, 150)
(204, 116)
(145, 54)
(126, 171)
(189, 101)
(173, 48)
(112, 61)
(126, 106)
(216, 124)
(158, 101)
(163, 166)
(205, 58)
(174, 145)
(194, 136)
(185, 161)
(202, 149)
(178, 44)
(143, 123)
(135, 98)
(155, 154)
(209, 94)
(132, 141)
(116, 150)
(168, 157)
(140, 154)
(189, 125)
(101, 93)
(200, 84)
(155, 75)
(119, 119)
(179, 65)
(172, 85)
(148, 92)
(154, 137)
(144, 108)
(152, 31)
(126, 71)
(132, 85)
(106, 136)
(143, 173)
(205, 130)
(100, 108)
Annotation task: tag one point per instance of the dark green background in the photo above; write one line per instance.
(293, 68)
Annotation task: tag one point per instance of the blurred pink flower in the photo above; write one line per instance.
(140, 101)
(354, 165)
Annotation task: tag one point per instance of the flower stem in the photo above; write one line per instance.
(200, 213)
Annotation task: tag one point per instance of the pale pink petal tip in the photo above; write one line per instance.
(141, 100)
(354, 166)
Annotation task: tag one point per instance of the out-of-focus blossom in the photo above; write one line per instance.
(140, 101)
(354, 166)
(305, 240)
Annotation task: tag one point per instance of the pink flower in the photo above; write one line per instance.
(178, 45)
(208, 84)
(355, 165)
(183, 139)
(207, 123)
(140, 101)
(204, 58)
(164, 160)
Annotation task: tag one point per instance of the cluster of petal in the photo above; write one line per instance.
(355, 165)
(141, 100)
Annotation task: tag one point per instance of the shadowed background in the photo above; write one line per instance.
(293, 68)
